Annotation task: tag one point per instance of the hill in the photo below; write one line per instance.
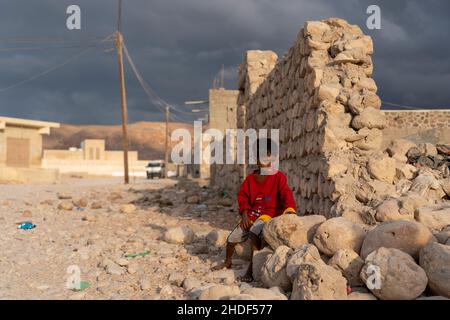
(148, 138)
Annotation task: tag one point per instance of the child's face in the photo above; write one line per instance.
(265, 162)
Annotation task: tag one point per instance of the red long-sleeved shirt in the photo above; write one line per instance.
(270, 197)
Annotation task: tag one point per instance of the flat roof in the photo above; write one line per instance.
(5, 121)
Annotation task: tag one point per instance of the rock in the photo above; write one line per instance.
(166, 291)
(435, 260)
(303, 254)
(226, 202)
(193, 199)
(259, 259)
(89, 218)
(399, 148)
(113, 268)
(349, 264)
(435, 217)
(145, 284)
(427, 185)
(114, 196)
(127, 208)
(96, 205)
(361, 296)
(274, 270)
(63, 196)
(179, 235)
(242, 296)
(81, 203)
(264, 294)
(388, 210)
(219, 292)
(224, 276)
(443, 236)
(404, 171)
(66, 205)
(217, 238)
(339, 233)
(317, 281)
(392, 274)
(243, 250)
(408, 236)
(291, 230)
(433, 298)
(428, 149)
(382, 167)
(445, 184)
(410, 202)
(190, 283)
(370, 118)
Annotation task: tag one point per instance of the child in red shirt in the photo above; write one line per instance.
(263, 195)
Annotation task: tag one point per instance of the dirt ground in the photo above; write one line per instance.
(34, 263)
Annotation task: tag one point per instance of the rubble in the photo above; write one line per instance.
(435, 260)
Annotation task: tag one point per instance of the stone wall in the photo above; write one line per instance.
(321, 97)
(425, 119)
(419, 126)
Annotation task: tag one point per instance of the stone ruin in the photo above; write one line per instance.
(321, 97)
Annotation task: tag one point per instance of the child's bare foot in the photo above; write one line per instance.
(220, 266)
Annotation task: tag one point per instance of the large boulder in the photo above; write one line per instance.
(179, 235)
(408, 236)
(274, 270)
(382, 167)
(219, 292)
(443, 236)
(259, 259)
(392, 274)
(291, 230)
(435, 260)
(339, 233)
(349, 263)
(303, 254)
(317, 281)
(435, 217)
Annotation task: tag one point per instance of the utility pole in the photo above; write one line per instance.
(123, 94)
(166, 155)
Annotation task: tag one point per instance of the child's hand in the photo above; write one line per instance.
(245, 222)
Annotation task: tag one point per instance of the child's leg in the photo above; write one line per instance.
(236, 236)
(228, 257)
(255, 239)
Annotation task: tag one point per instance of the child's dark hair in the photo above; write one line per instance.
(263, 143)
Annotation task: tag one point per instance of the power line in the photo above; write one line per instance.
(57, 66)
(157, 101)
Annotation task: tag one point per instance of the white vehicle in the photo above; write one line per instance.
(155, 169)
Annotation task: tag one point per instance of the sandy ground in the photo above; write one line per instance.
(34, 263)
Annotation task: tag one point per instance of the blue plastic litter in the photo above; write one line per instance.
(27, 225)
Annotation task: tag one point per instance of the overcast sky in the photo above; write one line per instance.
(180, 45)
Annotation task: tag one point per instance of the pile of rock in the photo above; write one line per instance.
(309, 258)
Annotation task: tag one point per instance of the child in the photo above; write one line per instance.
(264, 194)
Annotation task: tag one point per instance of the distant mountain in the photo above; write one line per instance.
(148, 138)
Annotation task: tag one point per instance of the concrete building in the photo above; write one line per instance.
(93, 158)
(21, 150)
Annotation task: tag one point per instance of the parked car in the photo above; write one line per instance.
(155, 169)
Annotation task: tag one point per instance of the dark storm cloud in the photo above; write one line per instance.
(180, 45)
